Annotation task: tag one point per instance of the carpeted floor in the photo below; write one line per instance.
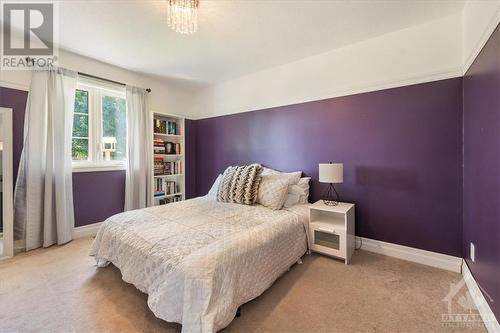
(59, 290)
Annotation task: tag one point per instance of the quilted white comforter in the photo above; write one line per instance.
(199, 260)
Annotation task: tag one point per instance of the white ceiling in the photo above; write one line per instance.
(234, 38)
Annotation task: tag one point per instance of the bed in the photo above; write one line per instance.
(199, 260)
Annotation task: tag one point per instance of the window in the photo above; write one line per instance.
(99, 126)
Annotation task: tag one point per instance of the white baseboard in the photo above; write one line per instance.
(89, 230)
(424, 257)
(490, 322)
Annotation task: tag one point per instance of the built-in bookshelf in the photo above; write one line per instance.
(168, 181)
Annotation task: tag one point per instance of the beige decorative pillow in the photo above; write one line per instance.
(291, 177)
(240, 184)
(273, 190)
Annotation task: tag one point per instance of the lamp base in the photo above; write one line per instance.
(329, 199)
(330, 202)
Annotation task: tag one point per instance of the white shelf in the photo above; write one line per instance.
(167, 196)
(326, 222)
(169, 135)
(168, 155)
(165, 176)
(179, 179)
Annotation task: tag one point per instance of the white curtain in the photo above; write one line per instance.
(139, 158)
(43, 198)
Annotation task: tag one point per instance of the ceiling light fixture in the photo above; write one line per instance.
(182, 15)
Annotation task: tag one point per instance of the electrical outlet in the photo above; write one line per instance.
(472, 252)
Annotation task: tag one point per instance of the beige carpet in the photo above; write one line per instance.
(59, 290)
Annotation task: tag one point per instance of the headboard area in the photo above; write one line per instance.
(401, 150)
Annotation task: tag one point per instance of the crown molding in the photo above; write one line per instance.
(481, 42)
(360, 89)
(11, 85)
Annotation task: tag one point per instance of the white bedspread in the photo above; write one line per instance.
(199, 260)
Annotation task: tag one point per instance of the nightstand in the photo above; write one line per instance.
(331, 229)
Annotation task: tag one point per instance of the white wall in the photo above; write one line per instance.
(167, 96)
(480, 18)
(432, 51)
(427, 52)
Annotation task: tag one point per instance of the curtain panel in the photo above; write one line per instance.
(43, 198)
(139, 158)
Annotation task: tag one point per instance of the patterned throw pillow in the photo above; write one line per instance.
(240, 184)
(273, 190)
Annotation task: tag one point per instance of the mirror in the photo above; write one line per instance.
(6, 185)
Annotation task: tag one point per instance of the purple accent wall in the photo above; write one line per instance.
(481, 220)
(190, 158)
(401, 149)
(97, 195)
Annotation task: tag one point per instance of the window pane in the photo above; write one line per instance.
(80, 149)
(80, 143)
(114, 128)
(81, 125)
(81, 101)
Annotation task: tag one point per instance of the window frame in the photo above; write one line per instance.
(96, 91)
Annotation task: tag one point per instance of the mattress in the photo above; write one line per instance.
(199, 260)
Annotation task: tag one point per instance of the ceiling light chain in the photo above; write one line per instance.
(182, 15)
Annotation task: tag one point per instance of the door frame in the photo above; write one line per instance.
(7, 184)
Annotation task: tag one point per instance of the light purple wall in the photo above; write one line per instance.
(401, 149)
(482, 169)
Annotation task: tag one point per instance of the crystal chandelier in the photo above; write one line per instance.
(182, 15)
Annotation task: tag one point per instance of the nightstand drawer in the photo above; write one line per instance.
(328, 241)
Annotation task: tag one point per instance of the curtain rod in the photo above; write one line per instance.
(32, 60)
(107, 80)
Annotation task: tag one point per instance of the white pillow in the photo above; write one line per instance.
(304, 184)
(212, 194)
(291, 177)
(273, 190)
(298, 193)
(291, 200)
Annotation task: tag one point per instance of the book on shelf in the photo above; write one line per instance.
(165, 201)
(166, 168)
(165, 127)
(166, 147)
(159, 146)
(165, 187)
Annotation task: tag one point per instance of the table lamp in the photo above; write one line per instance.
(331, 173)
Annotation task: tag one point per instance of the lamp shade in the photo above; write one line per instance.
(331, 172)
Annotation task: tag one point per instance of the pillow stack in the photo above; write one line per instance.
(253, 183)
(298, 193)
(240, 184)
(278, 189)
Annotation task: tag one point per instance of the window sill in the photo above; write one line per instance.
(98, 168)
